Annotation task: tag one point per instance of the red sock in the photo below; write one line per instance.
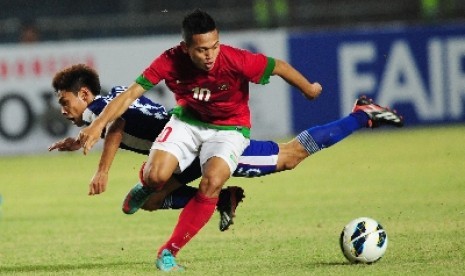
(195, 215)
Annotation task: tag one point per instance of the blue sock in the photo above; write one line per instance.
(179, 198)
(317, 138)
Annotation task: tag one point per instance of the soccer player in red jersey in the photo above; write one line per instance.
(210, 82)
(78, 92)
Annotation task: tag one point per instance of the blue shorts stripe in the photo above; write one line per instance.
(259, 158)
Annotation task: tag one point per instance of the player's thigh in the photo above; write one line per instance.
(215, 173)
(227, 145)
(160, 166)
(177, 139)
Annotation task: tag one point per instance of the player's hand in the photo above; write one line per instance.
(88, 136)
(98, 184)
(67, 144)
(317, 88)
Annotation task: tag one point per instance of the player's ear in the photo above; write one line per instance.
(184, 46)
(84, 94)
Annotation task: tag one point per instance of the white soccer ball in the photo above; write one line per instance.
(363, 240)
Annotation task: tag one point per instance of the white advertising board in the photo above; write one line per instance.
(30, 118)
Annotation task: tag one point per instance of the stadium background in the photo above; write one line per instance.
(406, 54)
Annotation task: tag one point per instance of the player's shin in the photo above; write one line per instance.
(317, 138)
(193, 217)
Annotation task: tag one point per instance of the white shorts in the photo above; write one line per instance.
(186, 142)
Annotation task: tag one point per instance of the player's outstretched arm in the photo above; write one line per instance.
(67, 144)
(90, 135)
(296, 79)
(111, 144)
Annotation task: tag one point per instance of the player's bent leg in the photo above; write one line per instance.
(141, 192)
(290, 155)
(136, 198)
(266, 157)
(199, 209)
(228, 201)
(164, 198)
(159, 168)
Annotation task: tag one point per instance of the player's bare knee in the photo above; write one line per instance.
(155, 177)
(211, 185)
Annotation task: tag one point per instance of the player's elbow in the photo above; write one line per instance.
(155, 177)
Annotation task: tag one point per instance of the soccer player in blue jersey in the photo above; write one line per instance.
(78, 91)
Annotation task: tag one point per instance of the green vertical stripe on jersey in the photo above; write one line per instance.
(184, 115)
(271, 63)
(145, 83)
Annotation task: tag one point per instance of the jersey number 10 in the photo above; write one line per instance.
(201, 94)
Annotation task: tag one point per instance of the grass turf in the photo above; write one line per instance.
(411, 180)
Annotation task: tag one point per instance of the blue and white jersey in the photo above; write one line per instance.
(144, 120)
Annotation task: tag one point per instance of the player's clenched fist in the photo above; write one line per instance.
(316, 88)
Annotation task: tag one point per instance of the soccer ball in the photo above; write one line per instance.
(363, 240)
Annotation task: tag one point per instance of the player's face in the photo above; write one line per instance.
(72, 106)
(204, 50)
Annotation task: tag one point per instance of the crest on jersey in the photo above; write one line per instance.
(223, 87)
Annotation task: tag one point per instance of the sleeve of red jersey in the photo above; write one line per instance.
(257, 67)
(153, 74)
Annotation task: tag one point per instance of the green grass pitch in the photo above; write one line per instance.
(410, 180)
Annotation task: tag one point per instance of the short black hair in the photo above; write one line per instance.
(196, 22)
(74, 77)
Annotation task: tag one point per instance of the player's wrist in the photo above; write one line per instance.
(99, 124)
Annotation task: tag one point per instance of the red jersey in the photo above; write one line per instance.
(219, 96)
